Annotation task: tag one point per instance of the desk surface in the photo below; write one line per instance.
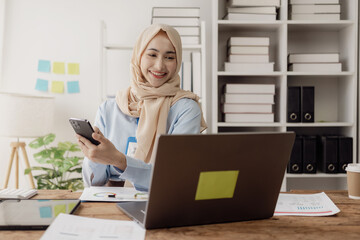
(344, 225)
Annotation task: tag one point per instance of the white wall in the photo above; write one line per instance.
(69, 30)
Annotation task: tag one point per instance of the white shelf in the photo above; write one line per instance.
(335, 92)
(223, 73)
(289, 73)
(317, 175)
(224, 124)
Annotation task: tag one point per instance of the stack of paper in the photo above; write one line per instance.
(186, 20)
(315, 10)
(314, 62)
(248, 54)
(261, 10)
(249, 102)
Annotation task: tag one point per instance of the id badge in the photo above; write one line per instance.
(131, 146)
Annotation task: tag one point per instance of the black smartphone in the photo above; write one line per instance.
(83, 127)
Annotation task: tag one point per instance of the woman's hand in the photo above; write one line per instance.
(104, 153)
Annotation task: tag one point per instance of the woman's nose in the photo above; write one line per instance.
(159, 63)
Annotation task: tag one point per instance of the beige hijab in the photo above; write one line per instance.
(152, 104)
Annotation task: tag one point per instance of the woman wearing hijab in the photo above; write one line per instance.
(154, 104)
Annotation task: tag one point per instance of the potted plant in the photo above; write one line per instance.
(62, 164)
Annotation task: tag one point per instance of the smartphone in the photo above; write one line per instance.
(83, 127)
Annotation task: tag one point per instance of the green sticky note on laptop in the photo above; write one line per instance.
(216, 185)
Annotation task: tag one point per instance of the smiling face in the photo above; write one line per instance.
(158, 61)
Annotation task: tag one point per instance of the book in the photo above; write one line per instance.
(247, 108)
(187, 40)
(249, 117)
(12, 193)
(177, 21)
(320, 16)
(315, 67)
(249, 67)
(248, 50)
(176, 12)
(249, 41)
(249, 3)
(250, 16)
(248, 98)
(315, 8)
(248, 58)
(314, 58)
(259, 10)
(249, 88)
(314, 2)
(196, 72)
(188, 31)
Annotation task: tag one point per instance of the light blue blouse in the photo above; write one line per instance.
(184, 118)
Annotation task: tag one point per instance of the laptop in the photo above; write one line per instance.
(213, 178)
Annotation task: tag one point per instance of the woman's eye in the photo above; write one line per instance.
(152, 55)
(170, 58)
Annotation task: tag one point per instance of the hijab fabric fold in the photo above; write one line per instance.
(151, 105)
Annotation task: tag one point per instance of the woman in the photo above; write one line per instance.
(154, 104)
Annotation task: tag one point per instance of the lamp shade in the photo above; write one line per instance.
(23, 115)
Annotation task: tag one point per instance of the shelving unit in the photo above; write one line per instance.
(335, 93)
(105, 47)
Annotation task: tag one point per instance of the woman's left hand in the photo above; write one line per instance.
(104, 153)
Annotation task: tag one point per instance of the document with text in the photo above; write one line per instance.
(66, 227)
(318, 204)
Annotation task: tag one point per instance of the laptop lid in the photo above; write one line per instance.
(214, 178)
(33, 214)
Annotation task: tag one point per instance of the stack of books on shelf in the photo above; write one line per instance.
(190, 74)
(315, 10)
(186, 20)
(314, 62)
(261, 10)
(248, 54)
(248, 103)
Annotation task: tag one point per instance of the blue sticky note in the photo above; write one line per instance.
(45, 212)
(73, 87)
(42, 85)
(44, 66)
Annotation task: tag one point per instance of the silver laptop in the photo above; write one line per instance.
(214, 178)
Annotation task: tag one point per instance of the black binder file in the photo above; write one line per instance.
(295, 163)
(293, 104)
(345, 152)
(309, 154)
(307, 104)
(329, 154)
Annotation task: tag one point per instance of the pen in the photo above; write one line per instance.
(131, 196)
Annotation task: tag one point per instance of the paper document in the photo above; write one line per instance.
(318, 204)
(112, 194)
(73, 227)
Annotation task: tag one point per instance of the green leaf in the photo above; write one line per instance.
(38, 142)
(49, 138)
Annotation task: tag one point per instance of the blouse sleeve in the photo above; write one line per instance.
(96, 174)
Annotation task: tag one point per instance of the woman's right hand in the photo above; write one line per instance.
(104, 153)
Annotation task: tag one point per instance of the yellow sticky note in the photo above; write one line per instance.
(71, 207)
(57, 87)
(216, 185)
(73, 68)
(59, 209)
(59, 67)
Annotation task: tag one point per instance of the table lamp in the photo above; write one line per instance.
(24, 116)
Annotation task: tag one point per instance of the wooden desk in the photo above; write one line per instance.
(344, 225)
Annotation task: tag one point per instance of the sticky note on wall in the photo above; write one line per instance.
(216, 185)
(44, 66)
(42, 85)
(57, 87)
(74, 68)
(73, 87)
(59, 67)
